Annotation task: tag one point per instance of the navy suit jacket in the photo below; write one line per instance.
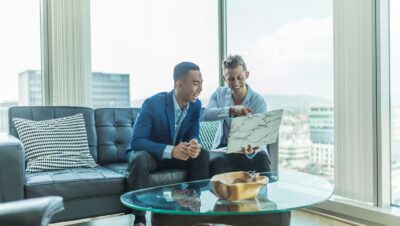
(154, 127)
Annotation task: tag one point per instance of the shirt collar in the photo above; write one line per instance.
(249, 95)
(176, 105)
(247, 98)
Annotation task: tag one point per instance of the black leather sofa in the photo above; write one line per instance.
(87, 192)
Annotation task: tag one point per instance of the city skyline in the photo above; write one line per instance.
(108, 89)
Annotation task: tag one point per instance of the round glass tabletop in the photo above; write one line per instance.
(285, 191)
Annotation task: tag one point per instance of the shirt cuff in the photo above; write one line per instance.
(260, 149)
(167, 154)
(225, 112)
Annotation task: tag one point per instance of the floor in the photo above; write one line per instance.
(299, 218)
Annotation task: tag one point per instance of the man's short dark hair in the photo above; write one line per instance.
(232, 61)
(181, 70)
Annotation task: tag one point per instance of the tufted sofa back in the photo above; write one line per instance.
(109, 130)
(114, 127)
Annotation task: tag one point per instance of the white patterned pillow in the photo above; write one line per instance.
(54, 144)
(208, 129)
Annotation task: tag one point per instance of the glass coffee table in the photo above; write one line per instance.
(192, 203)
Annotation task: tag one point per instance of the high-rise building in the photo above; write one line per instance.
(321, 136)
(294, 143)
(4, 114)
(321, 125)
(293, 154)
(29, 88)
(108, 90)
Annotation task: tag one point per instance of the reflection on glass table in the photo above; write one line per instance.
(196, 201)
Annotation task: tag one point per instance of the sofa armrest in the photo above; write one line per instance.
(12, 168)
(273, 150)
(34, 212)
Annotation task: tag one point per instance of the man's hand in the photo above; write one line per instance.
(249, 149)
(239, 110)
(194, 148)
(181, 151)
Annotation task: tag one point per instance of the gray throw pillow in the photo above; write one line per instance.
(207, 134)
(54, 144)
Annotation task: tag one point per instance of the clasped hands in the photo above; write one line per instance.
(185, 150)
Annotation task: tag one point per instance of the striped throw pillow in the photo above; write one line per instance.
(54, 144)
(207, 133)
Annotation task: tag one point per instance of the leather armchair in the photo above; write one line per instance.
(30, 212)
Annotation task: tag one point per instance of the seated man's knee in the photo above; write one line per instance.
(204, 155)
(262, 155)
(262, 162)
(218, 164)
(141, 159)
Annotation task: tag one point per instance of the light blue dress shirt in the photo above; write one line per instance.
(179, 116)
(218, 109)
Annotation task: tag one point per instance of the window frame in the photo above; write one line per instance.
(381, 209)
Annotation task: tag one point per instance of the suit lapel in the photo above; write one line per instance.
(171, 114)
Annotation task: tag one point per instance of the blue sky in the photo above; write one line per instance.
(288, 44)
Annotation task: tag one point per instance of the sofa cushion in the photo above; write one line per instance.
(54, 144)
(114, 127)
(208, 129)
(75, 183)
(38, 113)
(169, 176)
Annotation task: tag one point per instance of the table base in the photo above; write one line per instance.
(270, 219)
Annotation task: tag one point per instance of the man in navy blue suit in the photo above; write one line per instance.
(166, 133)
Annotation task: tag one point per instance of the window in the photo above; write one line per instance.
(141, 41)
(20, 81)
(395, 98)
(288, 48)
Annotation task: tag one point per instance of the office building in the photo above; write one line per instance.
(108, 89)
(4, 114)
(321, 137)
(30, 88)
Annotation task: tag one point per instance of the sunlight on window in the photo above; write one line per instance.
(395, 98)
(288, 48)
(20, 80)
(145, 39)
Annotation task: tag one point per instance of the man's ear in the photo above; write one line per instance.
(178, 84)
(247, 74)
(223, 77)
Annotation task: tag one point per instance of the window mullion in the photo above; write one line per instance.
(382, 156)
(222, 36)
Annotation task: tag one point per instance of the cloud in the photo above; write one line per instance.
(294, 45)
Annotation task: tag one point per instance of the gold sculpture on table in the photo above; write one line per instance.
(237, 185)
